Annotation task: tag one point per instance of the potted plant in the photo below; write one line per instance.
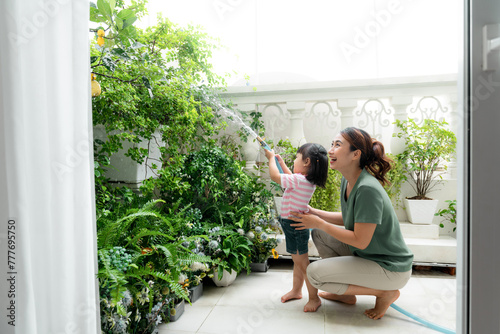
(428, 147)
(448, 214)
(230, 252)
(264, 244)
(195, 274)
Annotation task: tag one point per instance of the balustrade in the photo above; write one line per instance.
(316, 112)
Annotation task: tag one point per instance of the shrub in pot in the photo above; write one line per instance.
(428, 147)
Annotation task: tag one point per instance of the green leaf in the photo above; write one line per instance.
(137, 45)
(108, 63)
(112, 5)
(125, 14)
(104, 8)
(120, 53)
(93, 59)
(129, 21)
(146, 82)
(95, 16)
(119, 23)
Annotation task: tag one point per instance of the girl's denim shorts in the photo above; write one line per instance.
(296, 240)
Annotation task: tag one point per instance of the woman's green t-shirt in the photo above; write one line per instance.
(369, 203)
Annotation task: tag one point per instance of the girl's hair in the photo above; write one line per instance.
(373, 156)
(318, 169)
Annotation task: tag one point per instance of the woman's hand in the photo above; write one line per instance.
(305, 220)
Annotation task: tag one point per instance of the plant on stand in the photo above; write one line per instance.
(428, 146)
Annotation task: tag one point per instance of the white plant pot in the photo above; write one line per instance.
(277, 202)
(420, 211)
(227, 278)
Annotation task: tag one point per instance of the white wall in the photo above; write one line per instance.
(284, 41)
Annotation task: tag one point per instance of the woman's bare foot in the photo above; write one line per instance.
(351, 300)
(291, 295)
(312, 305)
(382, 303)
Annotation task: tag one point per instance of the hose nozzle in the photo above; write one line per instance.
(263, 143)
(266, 147)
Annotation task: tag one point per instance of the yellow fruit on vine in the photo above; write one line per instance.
(96, 88)
(100, 33)
(100, 41)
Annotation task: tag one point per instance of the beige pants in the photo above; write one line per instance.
(339, 268)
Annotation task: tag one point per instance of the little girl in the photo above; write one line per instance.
(310, 169)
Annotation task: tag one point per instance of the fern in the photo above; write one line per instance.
(144, 233)
(114, 231)
(115, 279)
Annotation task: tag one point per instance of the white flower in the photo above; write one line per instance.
(196, 266)
(258, 229)
(182, 278)
(250, 235)
(264, 236)
(127, 298)
(213, 244)
(241, 231)
(143, 296)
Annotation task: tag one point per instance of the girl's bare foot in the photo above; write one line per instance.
(351, 300)
(291, 295)
(312, 305)
(382, 303)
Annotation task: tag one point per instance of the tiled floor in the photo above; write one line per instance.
(252, 305)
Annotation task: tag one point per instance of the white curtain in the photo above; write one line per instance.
(47, 215)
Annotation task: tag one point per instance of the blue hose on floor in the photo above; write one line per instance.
(422, 321)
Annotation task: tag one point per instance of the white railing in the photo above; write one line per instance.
(316, 112)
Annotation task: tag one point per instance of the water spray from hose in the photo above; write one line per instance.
(235, 119)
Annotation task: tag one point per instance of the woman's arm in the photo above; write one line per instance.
(359, 238)
(330, 217)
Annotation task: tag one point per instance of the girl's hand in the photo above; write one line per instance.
(269, 154)
(280, 159)
(305, 220)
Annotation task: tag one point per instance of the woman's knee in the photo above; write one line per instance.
(313, 274)
(315, 234)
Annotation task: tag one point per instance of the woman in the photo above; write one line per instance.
(369, 256)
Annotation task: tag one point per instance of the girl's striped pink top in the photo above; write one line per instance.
(297, 194)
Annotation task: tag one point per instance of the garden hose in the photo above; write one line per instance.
(422, 321)
(266, 147)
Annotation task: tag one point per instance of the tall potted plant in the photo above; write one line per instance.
(428, 147)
